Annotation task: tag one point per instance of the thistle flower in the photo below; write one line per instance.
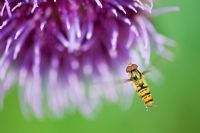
(60, 50)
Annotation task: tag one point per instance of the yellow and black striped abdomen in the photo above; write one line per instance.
(144, 92)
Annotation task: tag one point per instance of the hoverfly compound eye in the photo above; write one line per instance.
(134, 66)
(131, 67)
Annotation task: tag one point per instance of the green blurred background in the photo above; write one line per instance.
(177, 99)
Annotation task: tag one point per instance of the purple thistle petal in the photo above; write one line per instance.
(61, 49)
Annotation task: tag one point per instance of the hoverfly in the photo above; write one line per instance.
(137, 79)
(142, 89)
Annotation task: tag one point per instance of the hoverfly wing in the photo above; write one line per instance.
(153, 75)
(116, 81)
(146, 71)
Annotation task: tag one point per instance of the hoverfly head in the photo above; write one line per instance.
(130, 68)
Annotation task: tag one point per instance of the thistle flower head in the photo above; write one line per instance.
(59, 50)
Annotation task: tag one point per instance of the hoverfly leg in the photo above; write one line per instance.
(147, 109)
(127, 80)
(155, 105)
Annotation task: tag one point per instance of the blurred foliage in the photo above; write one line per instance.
(177, 99)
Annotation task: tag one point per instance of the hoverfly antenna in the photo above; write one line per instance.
(131, 67)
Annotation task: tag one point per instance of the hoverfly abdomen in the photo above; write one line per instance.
(144, 92)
